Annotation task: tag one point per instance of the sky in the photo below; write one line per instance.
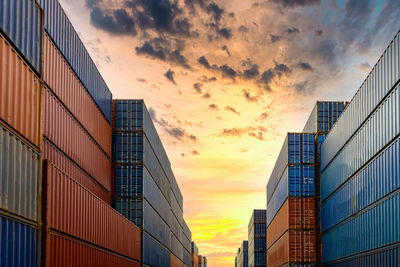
(225, 80)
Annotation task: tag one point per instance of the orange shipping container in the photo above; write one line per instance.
(195, 260)
(295, 246)
(64, 83)
(175, 262)
(20, 95)
(296, 213)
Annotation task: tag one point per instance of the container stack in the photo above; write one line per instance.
(243, 255)
(360, 173)
(291, 228)
(195, 255)
(204, 261)
(145, 189)
(20, 132)
(257, 236)
(200, 261)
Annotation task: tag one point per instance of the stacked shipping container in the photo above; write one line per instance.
(360, 173)
(195, 255)
(243, 255)
(257, 235)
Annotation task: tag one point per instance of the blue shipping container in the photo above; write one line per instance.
(19, 245)
(21, 21)
(187, 258)
(68, 42)
(155, 225)
(154, 253)
(257, 239)
(176, 247)
(379, 178)
(20, 176)
(323, 116)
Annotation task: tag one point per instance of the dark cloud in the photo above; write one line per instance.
(296, 3)
(252, 72)
(281, 68)
(292, 30)
(243, 28)
(255, 132)
(257, 135)
(194, 152)
(302, 87)
(116, 22)
(274, 38)
(206, 95)
(225, 48)
(319, 32)
(232, 109)
(213, 107)
(205, 79)
(228, 71)
(306, 66)
(263, 116)
(216, 11)
(170, 76)
(141, 80)
(364, 66)
(203, 61)
(249, 97)
(197, 87)
(266, 78)
(183, 155)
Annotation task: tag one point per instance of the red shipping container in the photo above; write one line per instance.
(295, 246)
(195, 260)
(296, 213)
(63, 251)
(70, 208)
(62, 162)
(61, 79)
(175, 262)
(21, 95)
(66, 133)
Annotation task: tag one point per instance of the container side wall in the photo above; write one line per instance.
(154, 253)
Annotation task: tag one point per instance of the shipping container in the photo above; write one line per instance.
(154, 225)
(21, 21)
(187, 232)
(323, 116)
(295, 246)
(243, 255)
(20, 177)
(257, 239)
(65, 251)
(295, 214)
(154, 253)
(62, 162)
(70, 45)
(298, 148)
(176, 228)
(200, 261)
(175, 262)
(374, 181)
(380, 128)
(375, 227)
(176, 247)
(20, 95)
(66, 133)
(195, 260)
(61, 79)
(195, 249)
(296, 181)
(187, 258)
(66, 208)
(19, 243)
(379, 82)
(204, 261)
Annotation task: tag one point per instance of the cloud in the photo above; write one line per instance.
(319, 32)
(256, 132)
(213, 107)
(292, 30)
(204, 62)
(263, 116)
(170, 76)
(232, 109)
(249, 97)
(183, 155)
(206, 95)
(197, 87)
(274, 38)
(116, 22)
(243, 28)
(225, 48)
(141, 80)
(305, 66)
(252, 72)
(281, 68)
(296, 3)
(364, 66)
(205, 79)
(266, 78)
(228, 71)
(194, 152)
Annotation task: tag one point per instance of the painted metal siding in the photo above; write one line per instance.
(20, 95)
(187, 231)
(155, 226)
(130, 208)
(379, 178)
(377, 226)
(63, 251)
(20, 176)
(61, 79)
(376, 86)
(62, 162)
(176, 247)
(68, 205)
(323, 116)
(187, 258)
(257, 234)
(65, 132)
(21, 21)
(154, 253)
(175, 262)
(380, 128)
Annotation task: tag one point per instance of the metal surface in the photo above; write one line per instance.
(176, 247)
(155, 226)
(257, 239)
(323, 116)
(63, 251)
(61, 79)
(68, 42)
(380, 128)
(62, 162)
(376, 86)
(73, 210)
(20, 95)
(187, 258)
(20, 177)
(21, 21)
(154, 253)
(243, 255)
(175, 262)
(65, 132)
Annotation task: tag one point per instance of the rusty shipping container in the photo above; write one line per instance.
(70, 208)
(61, 79)
(63, 251)
(295, 214)
(66, 133)
(20, 95)
(295, 246)
(62, 162)
(175, 262)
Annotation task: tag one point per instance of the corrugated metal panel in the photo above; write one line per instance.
(21, 20)
(155, 226)
(68, 42)
(187, 231)
(187, 258)
(130, 208)
(293, 247)
(378, 83)
(68, 205)
(195, 249)
(61, 79)
(20, 176)
(379, 178)
(19, 244)
(195, 260)
(62, 162)
(175, 262)
(243, 255)
(257, 233)
(375, 227)
(176, 247)
(323, 116)
(298, 148)
(186, 243)
(65, 132)
(296, 213)
(154, 253)
(388, 257)
(20, 95)
(63, 251)
(176, 227)
(382, 126)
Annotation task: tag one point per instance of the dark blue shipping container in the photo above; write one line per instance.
(323, 116)
(257, 239)
(379, 178)
(298, 148)
(187, 258)
(375, 227)
(21, 21)
(155, 225)
(68, 42)
(154, 253)
(19, 245)
(176, 247)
